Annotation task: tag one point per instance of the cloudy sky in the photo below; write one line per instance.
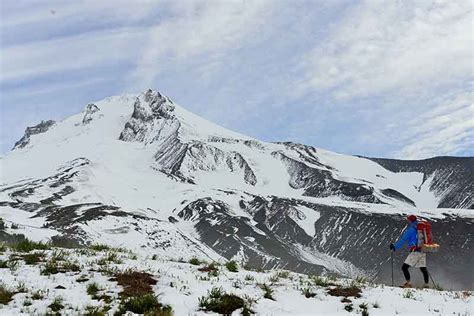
(386, 79)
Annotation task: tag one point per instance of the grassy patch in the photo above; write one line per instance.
(220, 302)
(308, 292)
(248, 277)
(267, 291)
(99, 247)
(5, 295)
(93, 289)
(345, 291)
(364, 308)
(409, 294)
(38, 295)
(94, 311)
(320, 281)
(232, 266)
(147, 304)
(135, 283)
(54, 267)
(194, 261)
(211, 268)
(57, 304)
(33, 258)
(283, 274)
(27, 245)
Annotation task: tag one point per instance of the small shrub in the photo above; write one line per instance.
(33, 258)
(274, 278)
(349, 307)
(220, 302)
(38, 295)
(21, 288)
(147, 304)
(59, 255)
(267, 291)
(154, 257)
(50, 267)
(57, 304)
(320, 281)
(232, 266)
(364, 308)
(99, 247)
(376, 305)
(408, 294)
(94, 311)
(308, 292)
(284, 274)
(248, 277)
(361, 279)
(27, 245)
(14, 226)
(2, 224)
(211, 268)
(93, 289)
(5, 295)
(194, 261)
(27, 303)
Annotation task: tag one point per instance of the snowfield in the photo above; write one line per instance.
(181, 285)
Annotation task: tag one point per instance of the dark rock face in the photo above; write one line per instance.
(42, 127)
(320, 183)
(152, 119)
(90, 111)
(452, 177)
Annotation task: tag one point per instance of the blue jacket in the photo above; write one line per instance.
(409, 235)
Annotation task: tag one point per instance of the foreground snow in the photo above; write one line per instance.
(180, 284)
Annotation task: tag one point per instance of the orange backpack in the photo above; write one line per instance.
(424, 236)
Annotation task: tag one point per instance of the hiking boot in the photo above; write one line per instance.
(407, 285)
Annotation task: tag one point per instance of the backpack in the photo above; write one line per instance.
(424, 237)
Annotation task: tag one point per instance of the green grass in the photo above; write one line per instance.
(232, 266)
(194, 261)
(57, 304)
(6, 295)
(99, 247)
(320, 281)
(220, 302)
(38, 295)
(248, 277)
(283, 274)
(93, 289)
(54, 267)
(267, 291)
(308, 292)
(33, 258)
(96, 310)
(147, 304)
(27, 245)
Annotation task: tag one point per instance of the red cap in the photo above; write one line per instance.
(411, 218)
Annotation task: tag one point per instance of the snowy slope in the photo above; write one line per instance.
(181, 286)
(142, 172)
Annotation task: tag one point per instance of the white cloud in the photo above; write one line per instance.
(213, 28)
(384, 46)
(445, 130)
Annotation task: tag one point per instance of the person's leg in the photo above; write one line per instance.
(406, 273)
(426, 276)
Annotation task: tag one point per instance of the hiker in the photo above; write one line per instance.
(416, 258)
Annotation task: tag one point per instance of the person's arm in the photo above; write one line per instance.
(402, 240)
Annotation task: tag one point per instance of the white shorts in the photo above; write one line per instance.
(416, 259)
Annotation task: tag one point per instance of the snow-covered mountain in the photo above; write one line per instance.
(144, 173)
